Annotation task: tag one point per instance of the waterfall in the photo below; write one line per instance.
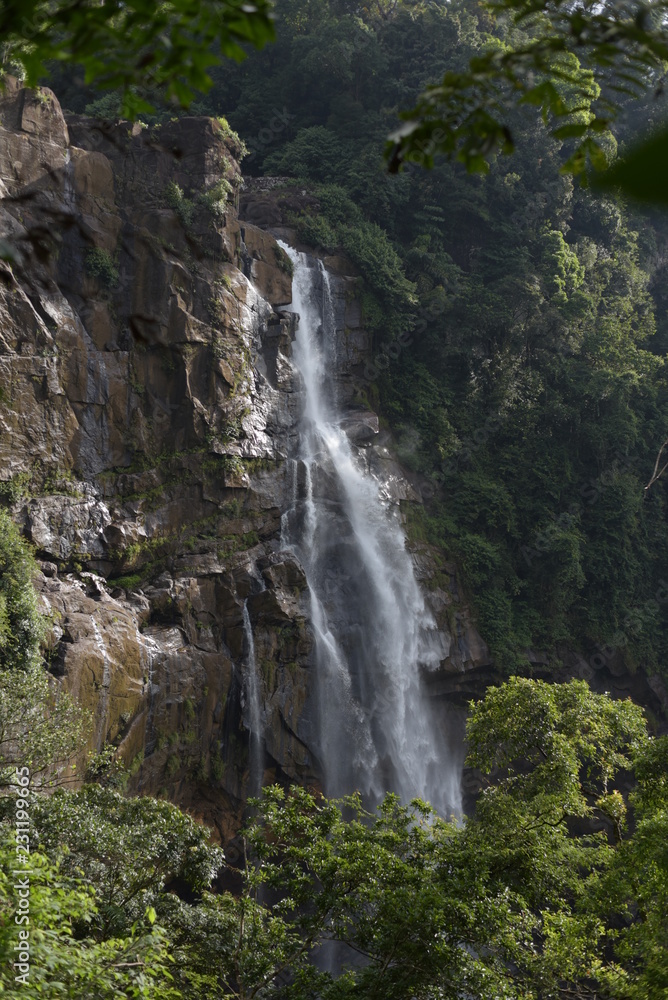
(149, 650)
(253, 709)
(105, 683)
(374, 635)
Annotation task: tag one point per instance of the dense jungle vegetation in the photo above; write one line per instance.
(554, 887)
(519, 319)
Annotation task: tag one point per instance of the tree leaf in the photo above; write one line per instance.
(643, 173)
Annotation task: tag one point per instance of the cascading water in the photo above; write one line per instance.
(105, 682)
(253, 708)
(373, 632)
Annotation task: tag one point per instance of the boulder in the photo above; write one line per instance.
(361, 427)
(269, 265)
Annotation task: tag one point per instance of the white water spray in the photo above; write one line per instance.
(374, 634)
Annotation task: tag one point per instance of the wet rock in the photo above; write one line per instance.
(395, 487)
(269, 267)
(339, 265)
(283, 570)
(272, 607)
(361, 427)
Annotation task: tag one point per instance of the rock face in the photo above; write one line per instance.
(148, 402)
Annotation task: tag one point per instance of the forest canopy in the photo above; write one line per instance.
(582, 66)
(132, 44)
(553, 886)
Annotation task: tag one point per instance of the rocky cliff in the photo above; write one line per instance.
(148, 403)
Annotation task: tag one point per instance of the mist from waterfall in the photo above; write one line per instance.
(374, 635)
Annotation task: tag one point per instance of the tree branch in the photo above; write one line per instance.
(657, 474)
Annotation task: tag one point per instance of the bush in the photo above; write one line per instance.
(239, 147)
(314, 154)
(106, 106)
(216, 198)
(283, 261)
(388, 296)
(176, 199)
(317, 232)
(100, 264)
(172, 764)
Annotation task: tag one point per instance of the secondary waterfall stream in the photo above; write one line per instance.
(253, 708)
(376, 730)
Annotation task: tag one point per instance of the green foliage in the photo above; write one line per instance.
(128, 849)
(341, 226)
(134, 45)
(100, 264)
(21, 624)
(176, 199)
(541, 892)
(641, 171)
(518, 901)
(41, 727)
(129, 582)
(108, 106)
(215, 199)
(14, 489)
(577, 66)
(564, 271)
(317, 232)
(374, 882)
(234, 140)
(559, 748)
(315, 154)
(62, 960)
(563, 756)
(638, 879)
(105, 767)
